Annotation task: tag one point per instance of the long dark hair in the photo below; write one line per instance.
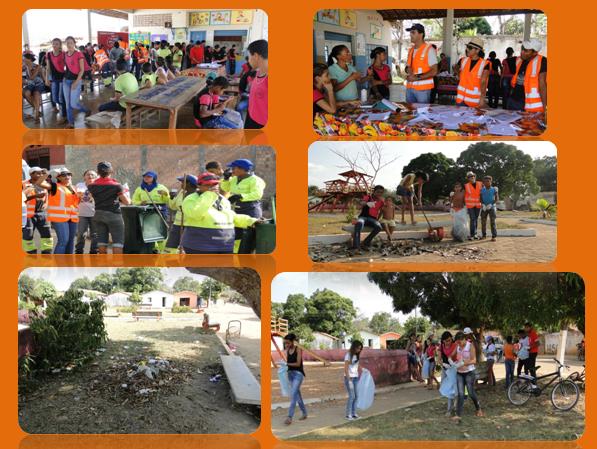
(335, 52)
(377, 51)
(353, 349)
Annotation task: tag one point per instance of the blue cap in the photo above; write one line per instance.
(245, 164)
(190, 179)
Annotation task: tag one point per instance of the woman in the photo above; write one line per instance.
(413, 364)
(466, 375)
(343, 74)
(324, 99)
(210, 220)
(107, 220)
(493, 84)
(429, 353)
(177, 57)
(54, 77)
(151, 193)
(188, 186)
(33, 84)
(75, 69)
(449, 355)
(352, 373)
(296, 375)
(380, 74)
(490, 352)
(63, 211)
(257, 111)
(162, 73)
(406, 191)
(173, 71)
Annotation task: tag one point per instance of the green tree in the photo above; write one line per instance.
(440, 170)
(545, 170)
(312, 190)
(187, 283)
(43, 291)
(329, 312)
(419, 326)
(277, 310)
(294, 310)
(539, 25)
(135, 298)
(382, 322)
(26, 285)
(105, 283)
(304, 334)
(479, 25)
(142, 279)
(511, 169)
(82, 283)
(210, 288)
(514, 27)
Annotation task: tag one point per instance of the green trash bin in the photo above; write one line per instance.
(135, 242)
(265, 237)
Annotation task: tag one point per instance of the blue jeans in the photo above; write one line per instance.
(65, 233)
(58, 96)
(468, 380)
(358, 227)
(221, 122)
(418, 96)
(509, 371)
(473, 216)
(351, 404)
(296, 379)
(72, 99)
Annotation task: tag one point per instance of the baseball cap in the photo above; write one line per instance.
(245, 164)
(417, 27)
(35, 169)
(208, 179)
(190, 179)
(532, 44)
(467, 331)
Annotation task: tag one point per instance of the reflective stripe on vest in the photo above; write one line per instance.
(469, 86)
(532, 98)
(472, 197)
(61, 207)
(420, 65)
(32, 203)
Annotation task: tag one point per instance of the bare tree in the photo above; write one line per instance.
(370, 159)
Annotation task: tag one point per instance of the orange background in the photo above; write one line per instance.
(572, 70)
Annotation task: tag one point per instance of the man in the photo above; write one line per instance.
(216, 168)
(371, 206)
(104, 65)
(473, 76)
(421, 67)
(534, 344)
(140, 56)
(529, 83)
(246, 190)
(125, 84)
(489, 199)
(35, 190)
(86, 213)
(472, 200)
(197, 53)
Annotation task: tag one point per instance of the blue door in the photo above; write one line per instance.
(197, 36)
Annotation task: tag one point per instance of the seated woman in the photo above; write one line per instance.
(173, 71)
(33, 84)
(206, 325)
(211, 112)
(161, 71)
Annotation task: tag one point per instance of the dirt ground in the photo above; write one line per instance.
(541, 248)
(321, 382)
(93, 399)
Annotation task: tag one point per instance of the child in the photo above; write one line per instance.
(406, 191)
(388, 212)
(523, 352)
(457, 197)
(460, 225)
(489, 198)
(509, 360)
(212, 112)
(173, 71)
(490, 352)
(429, 354)
(324, 99)
(125, 84)
(352, 373)
(161, 71)
(148, 79)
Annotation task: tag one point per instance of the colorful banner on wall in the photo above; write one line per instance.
(107, 39)
(200, 18)
(180, 34)
(348, 18)
(219, 18)
(143, 38)
(241, 17)
(376, 32)
(329, 16)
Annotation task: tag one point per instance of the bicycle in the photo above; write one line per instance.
(564, 395)
(580, 352)
(578, 378)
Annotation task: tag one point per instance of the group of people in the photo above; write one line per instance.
(206, 214)
(378, 211)
(64, 73)
(520, 81)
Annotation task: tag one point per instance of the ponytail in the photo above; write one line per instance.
(333, 56)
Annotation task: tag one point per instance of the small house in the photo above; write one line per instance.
(368, 339)
(157, 299)
(89, 295)
(389, 339)
(325, 341)
(187, 298)
(117, 299)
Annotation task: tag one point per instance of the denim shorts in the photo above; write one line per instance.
(108, 224)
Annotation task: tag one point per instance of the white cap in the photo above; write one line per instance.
(468, 175)
(35, 169)
(532, 44)
(61, 171)
(467, 331)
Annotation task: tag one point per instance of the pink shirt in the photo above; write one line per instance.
(72, 61)
(56, 61)
(258, 100)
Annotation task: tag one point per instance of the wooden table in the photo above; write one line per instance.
(170, 97)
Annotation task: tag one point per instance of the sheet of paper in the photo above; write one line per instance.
(388, 104)
(500, 129)
(377, 117)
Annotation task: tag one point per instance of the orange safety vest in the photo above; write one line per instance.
(472, 195)
(419, 65)
(101, 57)
(63, 206)
(532, 99)
(142, 55)
(32, 202)
(469, 86)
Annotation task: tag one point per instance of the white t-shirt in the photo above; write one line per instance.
(86, 205)
(353, 367)
(523, 352)
(489, 350)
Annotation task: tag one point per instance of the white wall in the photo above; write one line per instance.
(117, 300)
(365, 337)
(154, 300)
(552, 342)
(324, 342)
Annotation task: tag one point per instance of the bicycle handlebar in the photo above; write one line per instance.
(561, 365)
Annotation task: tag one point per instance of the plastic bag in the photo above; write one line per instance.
(234, 117)
(283, 376)
(460, 226)
(448, 386)
(425, 371)
(365, 390)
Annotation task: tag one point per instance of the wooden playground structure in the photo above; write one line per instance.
(340, 193)
(279, 328)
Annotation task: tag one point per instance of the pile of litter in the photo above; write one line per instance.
(399, 248)
(140, 380)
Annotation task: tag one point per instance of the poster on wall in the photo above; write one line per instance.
(241, 17)
(143, 38)
(348, 18)
(375, 32)
(107, 39)
(180, 34)
(360, 44)
(199, 18)
(219, 18)
(329, 16)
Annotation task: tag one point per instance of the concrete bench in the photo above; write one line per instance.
(244, 386)
(147, 315)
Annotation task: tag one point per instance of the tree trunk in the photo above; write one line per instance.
(244, 280)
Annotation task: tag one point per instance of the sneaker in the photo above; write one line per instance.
(355, 416)
(349, 418)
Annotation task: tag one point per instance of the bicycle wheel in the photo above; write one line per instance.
(564, 395)
(519, 391)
